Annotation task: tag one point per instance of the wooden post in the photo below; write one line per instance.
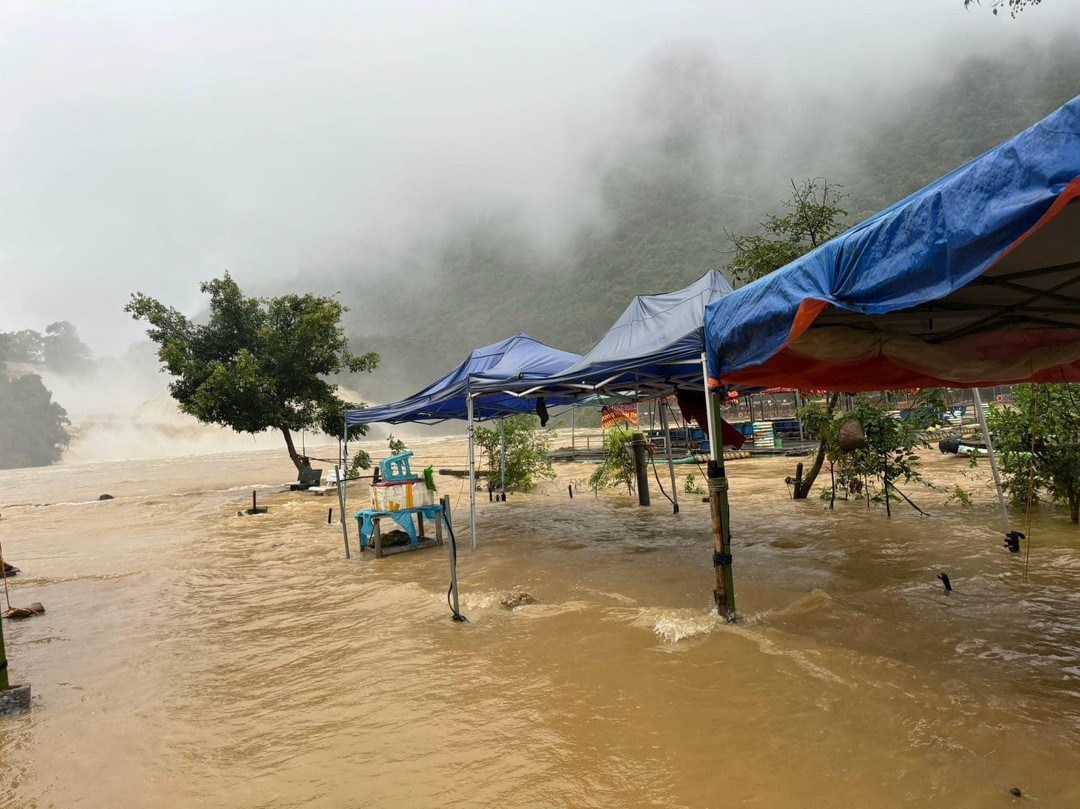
(641, 467)
(420, 525)
(376, 538)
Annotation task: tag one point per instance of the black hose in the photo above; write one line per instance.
(453, 551)
(652, 461)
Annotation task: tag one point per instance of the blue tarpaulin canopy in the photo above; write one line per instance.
(654, 347)
(974, 280)
(446, 398)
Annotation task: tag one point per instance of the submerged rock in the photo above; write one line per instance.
(518, 598)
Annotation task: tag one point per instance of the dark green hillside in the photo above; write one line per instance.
(690, 169)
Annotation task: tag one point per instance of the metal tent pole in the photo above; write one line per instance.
(670, 461)
(724, 594)
(472, 473)
(990, 454)
(798, 407)
(343, 497)
(502, 463)
(708, 411)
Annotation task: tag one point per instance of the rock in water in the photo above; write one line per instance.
(106, 497)
(516, 599)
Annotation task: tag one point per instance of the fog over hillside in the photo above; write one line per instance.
(464, 172)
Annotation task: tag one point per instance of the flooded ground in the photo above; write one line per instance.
(194, 657)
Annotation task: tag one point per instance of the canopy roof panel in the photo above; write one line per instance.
(446, 398)
(974, 280)
(653, 347)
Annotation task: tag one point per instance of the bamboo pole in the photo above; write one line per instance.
(724, 594)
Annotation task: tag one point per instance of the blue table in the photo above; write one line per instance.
(368, 524)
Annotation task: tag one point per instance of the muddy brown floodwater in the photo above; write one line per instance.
(193, 657)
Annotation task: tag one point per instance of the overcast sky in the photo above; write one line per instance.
(148, 145)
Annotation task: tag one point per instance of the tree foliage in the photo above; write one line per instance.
(888, 452)
(1037, 441)
(528, 451)
(59, 349)
(63, 351)
(258, 363)
(33, 428)
(618, 466)
(813, 217)
(1014, 6)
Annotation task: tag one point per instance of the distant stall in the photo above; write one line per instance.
(454, 396)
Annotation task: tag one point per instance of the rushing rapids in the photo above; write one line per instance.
(190, 656)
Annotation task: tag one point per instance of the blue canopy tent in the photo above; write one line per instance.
(456, 396)
(655, 348)
(974, 280)
(447, 398)
(971, 281)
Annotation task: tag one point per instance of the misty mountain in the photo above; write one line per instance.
(700, 151)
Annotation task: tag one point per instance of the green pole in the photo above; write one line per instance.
(4, 685)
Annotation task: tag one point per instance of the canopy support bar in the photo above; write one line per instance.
(993, 460)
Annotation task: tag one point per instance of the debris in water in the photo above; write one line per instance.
(106, 497)
(945, 580)
(26, 612)
(1015, 792)
(518, 598)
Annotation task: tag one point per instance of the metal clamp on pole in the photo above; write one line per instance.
(721, 559)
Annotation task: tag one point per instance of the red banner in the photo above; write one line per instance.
(622, 415)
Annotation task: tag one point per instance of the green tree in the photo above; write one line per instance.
(33, 428)
(21, 346)
(814, 216)
(618, 466)
(1014, 6)
(528, 451)
(258, 363)
(63, 351)
(889, 440)
(1038, 444)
